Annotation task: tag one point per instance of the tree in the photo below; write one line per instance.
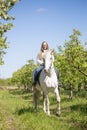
(5, 6)
(76, 54)
(72, 61)
(23, 76)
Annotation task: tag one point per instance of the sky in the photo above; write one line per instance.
(39, 20)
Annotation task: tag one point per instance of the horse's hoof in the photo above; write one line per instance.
(57, 114)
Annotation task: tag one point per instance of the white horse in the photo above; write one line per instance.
(48, 82)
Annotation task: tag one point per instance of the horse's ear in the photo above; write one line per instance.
(52, 51)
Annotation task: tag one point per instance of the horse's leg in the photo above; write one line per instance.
(46, 104)
(58, 101)
(35, 98)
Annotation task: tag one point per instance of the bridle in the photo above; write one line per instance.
(44, 59)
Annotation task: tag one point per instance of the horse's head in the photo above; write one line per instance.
(48, 60)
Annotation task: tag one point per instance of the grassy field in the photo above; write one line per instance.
(16, 112)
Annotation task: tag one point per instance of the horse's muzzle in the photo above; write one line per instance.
(46, 71)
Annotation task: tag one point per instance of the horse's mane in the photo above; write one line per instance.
(47, 53)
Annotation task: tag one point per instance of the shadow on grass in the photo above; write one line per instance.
(16, 91)
(82, 108)
(26, 95)
(81, 94)
(79, 125)
(24, 110)
(27, 110)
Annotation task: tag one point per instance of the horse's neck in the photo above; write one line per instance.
(52, 72)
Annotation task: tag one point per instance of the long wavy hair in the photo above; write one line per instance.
(42, 49)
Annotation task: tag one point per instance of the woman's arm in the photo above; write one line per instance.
(39, 60)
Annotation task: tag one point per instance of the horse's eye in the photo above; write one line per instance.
(50, 58)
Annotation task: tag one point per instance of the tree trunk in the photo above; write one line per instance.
(70, 91)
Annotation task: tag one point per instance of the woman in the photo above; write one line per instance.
(40, 61)
(44, 47)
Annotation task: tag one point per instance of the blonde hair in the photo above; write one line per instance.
(42, 49)
(42, 46)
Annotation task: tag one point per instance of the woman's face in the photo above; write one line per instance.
(44, 46)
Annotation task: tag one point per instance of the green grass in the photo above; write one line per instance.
(16, 112)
